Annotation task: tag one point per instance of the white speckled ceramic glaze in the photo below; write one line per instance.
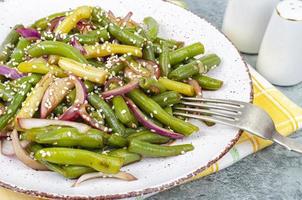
(153, 174)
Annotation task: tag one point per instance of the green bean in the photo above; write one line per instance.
(167, 98)
(18, 53)
(110, 117)
(59, 110)
(56, 48)
(98, 116)
(91, 37)
(172, 44)
(128, 157)
(152, 150)
(68, 156)
(65, 137)
(148, 52)
(208, 83)
(115, 140)
(198, 66)
(169, 110)
(32, 79)
(130, 131)
(9, 43)
(116, 68)
(96, 63)
(150, 106)
(15, 105)
(66, 171)
(42, 23)
(150, 137)
(186, 52)
(152, 28)
(123, 113)
(164, 61)
(6, 92)
(177, 86)
(151, 85)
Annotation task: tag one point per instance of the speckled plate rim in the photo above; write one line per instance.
(162, 187)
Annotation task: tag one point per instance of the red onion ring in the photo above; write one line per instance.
(90, 120)
(37, 123)
(55, 22)
(150, 125)
(120, 90)
(126, 19)
(153, 67)
(112, 80)
(9, 72)
(29, 33)
(54, 94)
(76, 44)
(81, 95)
(196, 86)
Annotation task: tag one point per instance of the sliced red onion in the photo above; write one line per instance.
(84, 26)
(153, 67)
(37, 123)
(149, 124)
(120, 175)
(126, 19)
(90, 120)
(53, 96)
(76, 44)
(121, 90)
(7, 148)
(9, 72)
(81, 95)
(55, 22)
(130, 74)
(29, 33)
(112, 80)
(22, 155)
(196, 87)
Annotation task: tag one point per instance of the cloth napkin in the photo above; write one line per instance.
(286, 115)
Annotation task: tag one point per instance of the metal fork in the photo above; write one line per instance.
(244, 116)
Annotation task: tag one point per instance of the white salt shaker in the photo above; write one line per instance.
(280, 56)
(245, 22)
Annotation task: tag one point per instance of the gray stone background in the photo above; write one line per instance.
(273, 173)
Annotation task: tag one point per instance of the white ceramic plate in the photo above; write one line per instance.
(153, 175)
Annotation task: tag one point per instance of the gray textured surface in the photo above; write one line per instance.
(273, 173)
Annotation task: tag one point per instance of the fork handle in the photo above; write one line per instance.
(289, 143)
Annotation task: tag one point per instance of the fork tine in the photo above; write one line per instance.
(222, 120)
(210, 112)
(218, 101)
(212, 106)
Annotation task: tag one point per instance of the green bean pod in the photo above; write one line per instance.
(169, 110)
(92, 37)
(123, 113)
(153, 150)
(68, 156)
(18, 53)
(208, 83)
(56, 48)
(185, 53)
(65, 137)
(150, 106)
(15, 105)
(152, 28)
(151, 85)
(6, 92)
(110, 117)
(148, 52)
(128, 157)
(116, 140)
(9, 43)
(42, 23)
(164, 60)
(31, 79)
(167, 98)
(150, 137)
(172, 44)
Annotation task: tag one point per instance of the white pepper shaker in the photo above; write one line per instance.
(245, 22)
(280, 56)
